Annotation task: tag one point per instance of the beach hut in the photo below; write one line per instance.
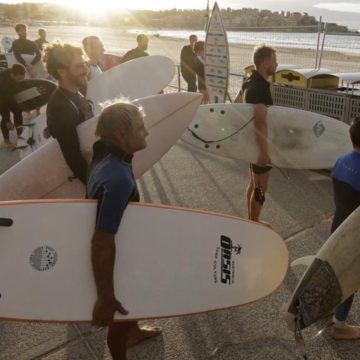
(350, 83)
(307, 78)
(349, 80)
(249, 69)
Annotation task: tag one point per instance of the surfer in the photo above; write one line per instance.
(41, 40)
(256, 90)
(24, 46)
(67, 107)
(188, 60)
(139, 51)
(9, 78)
(94, 50)
(346, 181)
(111, 181)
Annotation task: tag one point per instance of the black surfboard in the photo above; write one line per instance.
(33, 93)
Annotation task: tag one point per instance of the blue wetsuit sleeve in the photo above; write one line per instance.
(112, 204)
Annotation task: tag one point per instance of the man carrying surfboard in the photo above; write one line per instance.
(188, 60)
(9, 78)
(256, 90)
(111, 181)
(139, 51)
(67, 107)
(346, 181)
(24, 46)
(41, 40)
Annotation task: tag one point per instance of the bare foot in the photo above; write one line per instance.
(136, 335)
(346, 332)
(7, 144)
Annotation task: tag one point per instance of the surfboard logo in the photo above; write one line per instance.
(43, 258)
(224, 263)
(318, 129)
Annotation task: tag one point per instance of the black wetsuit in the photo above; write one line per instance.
(8, 87)
(133, 54)
(65, 111)
(40, 43)
(188, 63)
(256, 90)
(28, 47)
(200, 71)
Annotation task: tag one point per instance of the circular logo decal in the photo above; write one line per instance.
(43, 258)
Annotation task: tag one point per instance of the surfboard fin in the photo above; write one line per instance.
(6, 222)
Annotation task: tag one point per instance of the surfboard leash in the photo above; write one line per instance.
(299, 339)
(225, 138)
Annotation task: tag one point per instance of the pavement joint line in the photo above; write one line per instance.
(85, 341)
(291, 237)
(57, 348)
(64, 344)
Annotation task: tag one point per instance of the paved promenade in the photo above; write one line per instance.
(299, 209)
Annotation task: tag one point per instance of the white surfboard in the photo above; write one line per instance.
(7, 42)
(181, 261)
(45, 174)
(297, 139)
(39, 71)
(133, 80)
(217, 59)
(331, 278)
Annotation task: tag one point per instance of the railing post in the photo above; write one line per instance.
(322, 46)
(318, 42)
(179, 77)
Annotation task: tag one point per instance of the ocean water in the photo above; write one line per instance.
(332, 42)
(349, 44)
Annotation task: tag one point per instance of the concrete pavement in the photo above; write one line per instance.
(299, 209)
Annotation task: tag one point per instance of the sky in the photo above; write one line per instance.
(345, 12)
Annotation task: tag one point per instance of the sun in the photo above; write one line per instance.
(94, 8)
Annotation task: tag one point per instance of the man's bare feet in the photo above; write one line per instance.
(7, 144)
(346, 332)
(136, 334)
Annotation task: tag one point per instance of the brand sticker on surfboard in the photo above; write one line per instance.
(224, 265)
(318, 129)
(43, 258)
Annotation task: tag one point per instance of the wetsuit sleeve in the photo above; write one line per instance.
(17, 52)
(37, 52)
(113, 199)
(200, 71)
(126, 57)
(61, 121)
